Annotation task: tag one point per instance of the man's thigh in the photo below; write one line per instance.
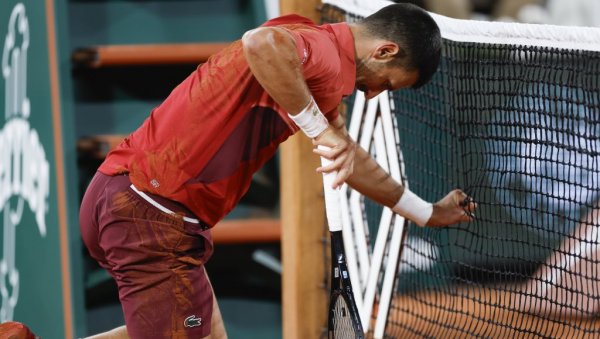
(217, 325)
(159, 270)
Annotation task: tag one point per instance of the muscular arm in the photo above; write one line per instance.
(273, 60)
(372, 181)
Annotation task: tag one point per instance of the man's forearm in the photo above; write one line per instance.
(373, 181)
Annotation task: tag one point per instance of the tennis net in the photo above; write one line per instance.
(513, 118)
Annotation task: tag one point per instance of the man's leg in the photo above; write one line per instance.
(217, 326)
(157, 263)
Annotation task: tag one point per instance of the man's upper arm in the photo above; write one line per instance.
(317, 53)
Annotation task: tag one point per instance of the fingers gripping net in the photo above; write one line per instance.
(512, 117)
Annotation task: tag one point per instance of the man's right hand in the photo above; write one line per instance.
(341, 153)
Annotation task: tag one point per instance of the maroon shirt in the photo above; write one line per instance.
(203, 144)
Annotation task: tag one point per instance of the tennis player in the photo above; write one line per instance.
(147, 213)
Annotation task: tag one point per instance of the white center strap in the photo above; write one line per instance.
(161, 207)
(414, 208)
(310, 120)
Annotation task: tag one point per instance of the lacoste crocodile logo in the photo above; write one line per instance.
(315, 111)
(192, 321)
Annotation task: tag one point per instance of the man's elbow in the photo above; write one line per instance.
(263, 39)
(250, 40)
(255, 40)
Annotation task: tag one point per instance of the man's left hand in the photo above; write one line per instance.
(455, 207)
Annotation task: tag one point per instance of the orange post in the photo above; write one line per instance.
(150, 54)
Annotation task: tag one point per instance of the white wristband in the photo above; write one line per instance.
(310, 120)
(414, 208)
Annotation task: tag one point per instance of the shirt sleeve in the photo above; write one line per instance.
(319, 56)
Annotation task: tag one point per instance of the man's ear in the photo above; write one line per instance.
(387, 51)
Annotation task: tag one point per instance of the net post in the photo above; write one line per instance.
(304, 299)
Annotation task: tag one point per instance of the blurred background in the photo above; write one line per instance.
(90, 72)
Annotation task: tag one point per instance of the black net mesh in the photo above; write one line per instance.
(517, 128)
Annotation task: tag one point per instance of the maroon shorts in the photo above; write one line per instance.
(156, 258)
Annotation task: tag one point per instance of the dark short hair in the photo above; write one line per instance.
(415, 31)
